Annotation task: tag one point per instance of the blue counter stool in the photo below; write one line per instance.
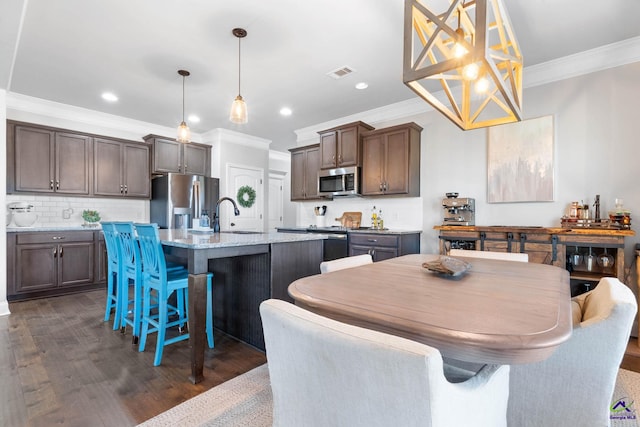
(130, 305)
(113, 273)
(156, 278)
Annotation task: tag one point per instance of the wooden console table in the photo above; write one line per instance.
(546, 245)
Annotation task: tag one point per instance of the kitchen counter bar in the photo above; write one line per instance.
(247, 269)
(343, 230)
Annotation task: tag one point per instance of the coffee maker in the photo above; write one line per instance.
(458, 210)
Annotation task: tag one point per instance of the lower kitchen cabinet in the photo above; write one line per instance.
(42, 264)
(383, 246)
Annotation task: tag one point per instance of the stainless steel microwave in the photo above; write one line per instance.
(339, 182)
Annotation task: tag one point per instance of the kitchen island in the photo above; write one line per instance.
(247, 268)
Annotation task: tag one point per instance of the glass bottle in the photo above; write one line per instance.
(380, 220)
(374, 218)
(204, 219)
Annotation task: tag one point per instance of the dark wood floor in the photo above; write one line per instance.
(60, 364)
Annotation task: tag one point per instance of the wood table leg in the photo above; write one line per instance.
(197, 329)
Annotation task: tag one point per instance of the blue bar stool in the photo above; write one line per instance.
(156, 278)
(113, 273)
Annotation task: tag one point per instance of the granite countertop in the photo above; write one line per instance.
(14, 229)
(208, 240)
(348, 230)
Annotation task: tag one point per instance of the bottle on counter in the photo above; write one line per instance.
(204, 220)
(380, 220)
(374, 218)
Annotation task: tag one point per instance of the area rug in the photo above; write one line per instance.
(246, 401)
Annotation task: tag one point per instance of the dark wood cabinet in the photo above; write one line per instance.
(305, 163)
(51, 263)
(121, 169)
(47, 161)
(170, 156)
(383, 246)
(391, 161)
(341, 146)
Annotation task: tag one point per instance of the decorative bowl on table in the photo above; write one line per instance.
(91, 218)
(447, 266)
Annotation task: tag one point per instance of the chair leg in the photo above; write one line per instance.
(162, 330)
(146, 313)
(118, 295)
(137, 308)
(111, 298)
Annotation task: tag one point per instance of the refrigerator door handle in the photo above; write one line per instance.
(196, 199)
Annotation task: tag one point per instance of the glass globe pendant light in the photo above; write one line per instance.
(239, 107)
(184, 133)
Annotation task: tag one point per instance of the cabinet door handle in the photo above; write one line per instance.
(60, 251)
(371, 252)
(185, 167)
(58, 237)
(179, 167)
(126, 189)
(55, 252)
(385, 186)
(372, 240)
(339, 160)
(121, 188)
(57, 184)
(51, 184)
(380, 186)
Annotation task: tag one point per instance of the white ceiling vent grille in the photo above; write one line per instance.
(340, 72)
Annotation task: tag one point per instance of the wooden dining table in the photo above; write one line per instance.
(498, 312)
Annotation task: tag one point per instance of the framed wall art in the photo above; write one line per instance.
(520, 162)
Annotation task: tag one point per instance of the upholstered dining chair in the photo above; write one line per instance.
(574, 386)
(155, 277)
(327, 373)
(507, 256)
(113, 273)
(346, 262)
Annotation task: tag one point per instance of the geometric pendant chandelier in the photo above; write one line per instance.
(463, 59)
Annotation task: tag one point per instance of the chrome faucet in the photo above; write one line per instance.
(216, 215)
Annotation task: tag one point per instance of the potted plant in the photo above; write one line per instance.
(91, 218)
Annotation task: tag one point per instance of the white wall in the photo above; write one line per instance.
(4, 306)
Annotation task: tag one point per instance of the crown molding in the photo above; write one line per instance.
(601, 58)
(279, 155)
(228, 136)
(56, 110)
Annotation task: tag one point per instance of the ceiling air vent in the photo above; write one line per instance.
(340, 72)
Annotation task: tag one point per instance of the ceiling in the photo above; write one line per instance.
(70, 51)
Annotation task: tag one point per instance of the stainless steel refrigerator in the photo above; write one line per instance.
(177, 199)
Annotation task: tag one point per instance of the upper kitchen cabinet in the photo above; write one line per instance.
(170, 156)
(42, 160)
(391, 161)
(305, 163)
(340, 147)
(121, 169)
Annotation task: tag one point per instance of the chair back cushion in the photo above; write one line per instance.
(582, 371)
(327, 373)
(346, 262)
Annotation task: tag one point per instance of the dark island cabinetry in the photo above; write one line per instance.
(383, 245)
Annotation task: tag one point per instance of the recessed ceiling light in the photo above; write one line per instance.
(193, 119)
(108, 96)
(286, 111)
(362, 85)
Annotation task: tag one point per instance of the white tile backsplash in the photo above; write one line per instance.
(50, 209)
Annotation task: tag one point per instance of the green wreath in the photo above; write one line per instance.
(246, 196)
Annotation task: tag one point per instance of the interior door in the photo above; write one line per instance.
(251, 214)
(276, 201)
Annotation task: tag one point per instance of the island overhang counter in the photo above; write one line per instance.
(248, 268)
